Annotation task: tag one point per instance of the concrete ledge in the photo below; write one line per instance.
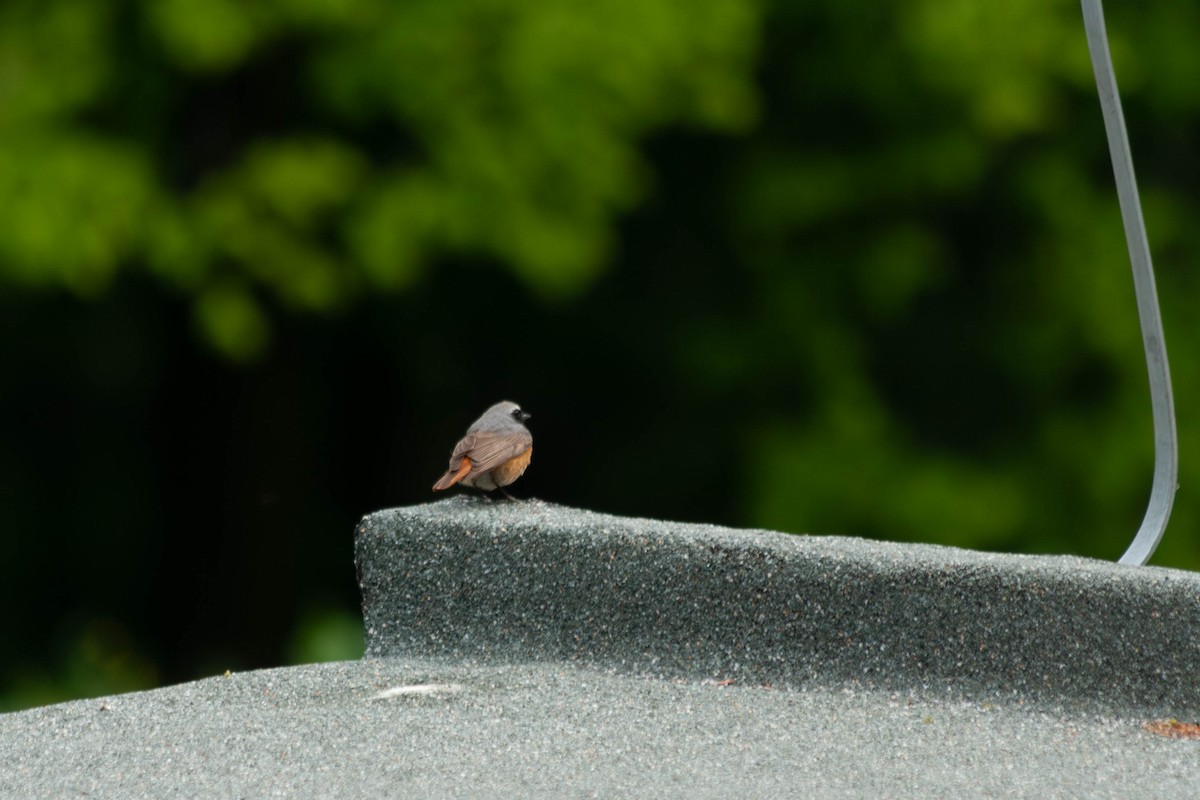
(532, 581)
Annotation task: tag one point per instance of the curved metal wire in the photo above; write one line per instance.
(1166, 448)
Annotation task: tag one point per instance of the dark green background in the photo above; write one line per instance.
(829, 267)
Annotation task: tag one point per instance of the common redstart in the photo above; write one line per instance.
(494, 453)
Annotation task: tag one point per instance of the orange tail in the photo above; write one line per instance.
(451, 478)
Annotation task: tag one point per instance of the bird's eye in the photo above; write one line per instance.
(516, 412)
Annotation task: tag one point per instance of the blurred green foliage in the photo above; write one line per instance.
(403, 130)
(99, 657)
(830, 266)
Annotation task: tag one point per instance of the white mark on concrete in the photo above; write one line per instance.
(419, 690)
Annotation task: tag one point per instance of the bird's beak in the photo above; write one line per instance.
(525, 416)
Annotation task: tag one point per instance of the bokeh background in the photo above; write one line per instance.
(825, 266)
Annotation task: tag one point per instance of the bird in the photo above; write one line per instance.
(495, 451)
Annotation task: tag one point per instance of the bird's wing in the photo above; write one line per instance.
(461, 450)
(489, 450)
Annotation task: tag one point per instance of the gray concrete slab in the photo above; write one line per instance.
(434, 728)
(532, 580)
(529, 650)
